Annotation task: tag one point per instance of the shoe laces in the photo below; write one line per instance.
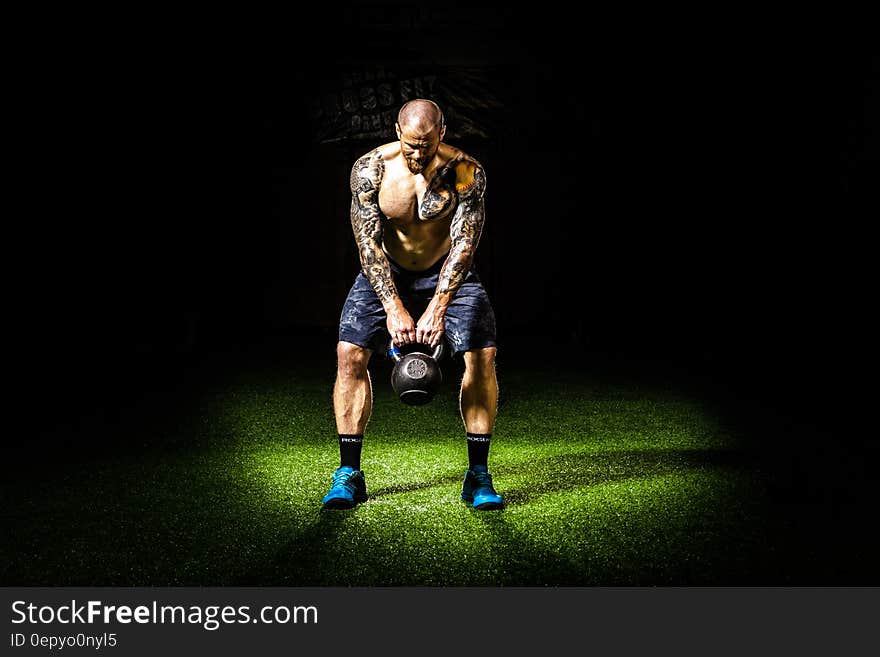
(341, 477)
(483, 479)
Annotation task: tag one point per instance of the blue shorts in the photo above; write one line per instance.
(470, 319)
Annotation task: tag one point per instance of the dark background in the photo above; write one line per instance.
(699, 202)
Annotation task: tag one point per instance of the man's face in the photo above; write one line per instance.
(418, 147)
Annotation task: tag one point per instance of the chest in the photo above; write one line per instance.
(412, 198)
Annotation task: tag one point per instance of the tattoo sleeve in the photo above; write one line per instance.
(366, 222)
(465, 231)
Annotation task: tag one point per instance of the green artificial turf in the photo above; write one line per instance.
(604, 485)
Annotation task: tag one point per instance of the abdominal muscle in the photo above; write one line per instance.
(418, 245)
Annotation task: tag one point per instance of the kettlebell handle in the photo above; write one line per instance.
(394, 353)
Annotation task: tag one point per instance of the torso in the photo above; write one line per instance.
(419, 208)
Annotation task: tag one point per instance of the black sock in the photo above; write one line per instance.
(478, 449)
(350, 449)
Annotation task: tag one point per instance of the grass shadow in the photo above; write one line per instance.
(584, 470)
(532, 561)
(305, 549)
(414, 486)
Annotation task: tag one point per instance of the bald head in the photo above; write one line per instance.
(420, 115)
(420, 128)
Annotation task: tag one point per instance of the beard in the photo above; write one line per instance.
(415, 166)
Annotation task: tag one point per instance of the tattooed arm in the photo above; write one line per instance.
(467, 226)
(465, 231)
(366, 222)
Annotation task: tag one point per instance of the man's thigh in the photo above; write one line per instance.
(470, 318)
(363, 319)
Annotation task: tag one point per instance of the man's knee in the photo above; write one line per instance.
(480, 362)
(351, 360)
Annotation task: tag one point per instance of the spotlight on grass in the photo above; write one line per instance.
(602, 486)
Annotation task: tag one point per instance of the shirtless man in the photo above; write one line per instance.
(417, 214)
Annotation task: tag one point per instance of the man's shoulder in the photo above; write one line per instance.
(468, 171)
(456, 156)
(379, 153)
(369, 168)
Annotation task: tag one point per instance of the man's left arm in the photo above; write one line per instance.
(465, 231)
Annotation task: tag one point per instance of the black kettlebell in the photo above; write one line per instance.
(416, 375)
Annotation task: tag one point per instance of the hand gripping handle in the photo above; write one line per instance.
(394, 353)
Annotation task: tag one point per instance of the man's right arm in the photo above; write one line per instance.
(366, 222)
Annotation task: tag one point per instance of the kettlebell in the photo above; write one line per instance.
(416, 376)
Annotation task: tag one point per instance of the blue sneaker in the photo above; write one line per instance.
(349, 488)
(477, 488)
